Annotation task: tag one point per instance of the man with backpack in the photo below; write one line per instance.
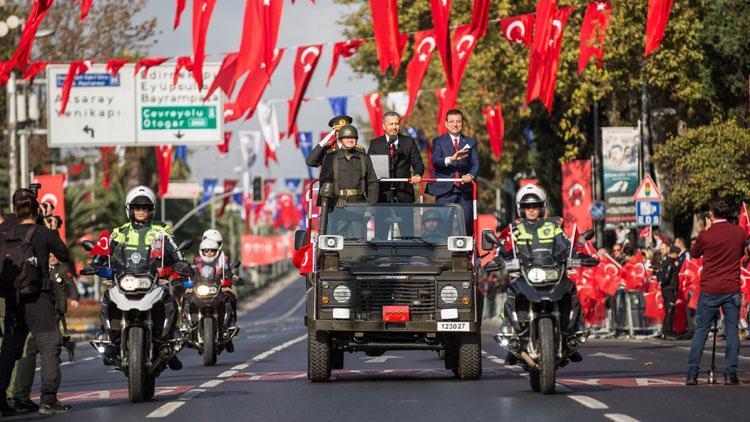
(25, 244)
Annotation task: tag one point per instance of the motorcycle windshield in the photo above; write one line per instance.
(133, 260)
(207, 275)
(538, 258)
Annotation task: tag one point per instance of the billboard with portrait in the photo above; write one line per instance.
(620, 158)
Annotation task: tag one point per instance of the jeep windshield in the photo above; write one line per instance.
(397, 224)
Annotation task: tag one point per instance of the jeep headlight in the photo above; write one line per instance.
(342, 294)
(448, 294)
(130, 283)
(204, 290)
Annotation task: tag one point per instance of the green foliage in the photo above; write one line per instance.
(703, 162)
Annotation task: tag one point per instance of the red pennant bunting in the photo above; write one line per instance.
(224, 146)
(74, 69)
(114, 66)
(545, 13)
(106, 164)
(202, 10)
(31, 25)
(85, 7)
(518, 29)
(225, 77)
(464, 42)
(147, 64)
(446, 101)
(77, 169)
(552, 61)
(182, 63)
(180, 7)
(480, 16)
(441, 13)
(593, 33)
(261, 22)
(424, 45)
(34, 69)
(656, 22)
(304, 66)
(495, 125)
(229, 185)
(254, 85)
(164, 166)
(389, 42)
(344, 49)
(232, 112)
(375, 111)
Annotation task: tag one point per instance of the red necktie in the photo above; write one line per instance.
(455, 146)
(393, 149)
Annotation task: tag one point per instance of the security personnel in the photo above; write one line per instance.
(330, 143)
(350, 170)
(141, 231)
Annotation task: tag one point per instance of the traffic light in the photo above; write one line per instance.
(257, 189)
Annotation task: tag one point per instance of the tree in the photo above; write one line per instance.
(705, 162)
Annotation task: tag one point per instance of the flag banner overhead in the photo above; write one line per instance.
(576, 194)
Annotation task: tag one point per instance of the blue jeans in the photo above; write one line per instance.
(708, 308)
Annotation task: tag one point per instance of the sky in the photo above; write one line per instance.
(302, 24)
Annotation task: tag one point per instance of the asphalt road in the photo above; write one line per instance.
(265, 379)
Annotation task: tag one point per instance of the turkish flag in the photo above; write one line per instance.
(552, 63)
(464, 42)
(303, 259)
(114, 66)
(518, 29)
(33, 70)
(224, 146)
(253, 87)
(164, 166)
(375, 111)
(389, 42)
(441, 15)
(225, 76)
(106, 153)
(52, 191)
(655, 305)
(179, 8)
(74, 69)
(424, 45)
(576, 194)
(147, 64)
(288, 215)
(495, 125)
(229, 185)
(656, 22)
(304, 66)
(101, 247)
(202, 10)
(23, 52)
(259, 34)
(232, 112)
(593, 33)
(744, 221)
(182, 63)
(645, 233)
(446, 101)
(545, 13)
(342, 49)
(634, 272)
(480, 16)
(85, 7)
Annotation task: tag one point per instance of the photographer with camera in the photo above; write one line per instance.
(26, 239)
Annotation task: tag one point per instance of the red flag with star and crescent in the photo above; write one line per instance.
(552, 61)
(495, 125)
(375, 111)
(656, 22)
(202, 11)
(304, 66)
(389, 41)
(518, 29)
(260, 31)
(593, 34)
(342, 49)
(252, 89)
(101, 247)
(545, 13)
(424, 45)
(164, 166)
(441, 15)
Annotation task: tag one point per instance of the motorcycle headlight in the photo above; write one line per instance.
(130, 283)
(448, 294)
(204, 290)
(342, 294)
(536, 275)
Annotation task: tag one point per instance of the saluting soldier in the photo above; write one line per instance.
(329, 143)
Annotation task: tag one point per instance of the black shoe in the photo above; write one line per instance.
(731, 379)
(23, 405)
(70, 347)
(575, 357)
(691, 380)
(230, 346)
(53, 408)
(175, 364)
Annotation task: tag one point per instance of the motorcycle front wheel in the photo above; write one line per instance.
(136, 365)
(209, 342)
(547, 361)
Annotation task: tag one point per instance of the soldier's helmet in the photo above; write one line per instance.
(348, 131)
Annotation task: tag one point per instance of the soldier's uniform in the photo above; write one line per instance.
(352, 174)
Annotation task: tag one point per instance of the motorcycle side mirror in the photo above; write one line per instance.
(489, 240)
(185, 244)
(300, 239)
(587, 235)
(183, 268)
(89, 271)
(87, 245)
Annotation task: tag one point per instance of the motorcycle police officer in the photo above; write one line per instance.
(534, 233)
(141, 230)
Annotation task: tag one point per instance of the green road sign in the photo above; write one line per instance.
(178, 118)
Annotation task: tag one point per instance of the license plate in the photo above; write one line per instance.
(452, 326)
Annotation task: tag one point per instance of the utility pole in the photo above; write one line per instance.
(598, 174)
(645, 125)
(10, 90)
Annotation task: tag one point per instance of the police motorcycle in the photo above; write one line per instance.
(541, 338)
(205, 316)
(138, 292)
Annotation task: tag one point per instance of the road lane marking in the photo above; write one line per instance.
(212, 383)
(589, 402)
(227, 374)
(278, 348)
(240, 367)
(619, 417)
(613, 356)
(88, 358)
(166, 409)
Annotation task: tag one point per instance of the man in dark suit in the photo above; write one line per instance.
(404, 160)
(455, 156)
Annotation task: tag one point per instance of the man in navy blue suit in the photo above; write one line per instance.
(455, 156)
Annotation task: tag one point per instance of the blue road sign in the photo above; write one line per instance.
(598, 211)
(648, 213)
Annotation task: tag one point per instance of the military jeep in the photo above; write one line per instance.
(386, 278)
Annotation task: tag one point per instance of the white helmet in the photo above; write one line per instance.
(208, 244)
(214, 235)
(530, 195)
(141, 195)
